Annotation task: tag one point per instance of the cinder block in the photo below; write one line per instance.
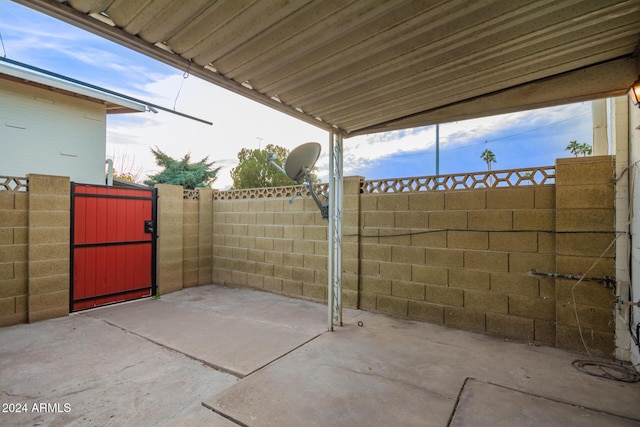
(13, 218)
(525, 262)
(547, 287)
(315, 233)
(13, 319)
(407, 255)
(21, 201)
(545, 197)
(589, 170)
(465, 318)
(408, 290)
(430, 275)
(410, 219)
(239, 278)
(379, 219)
(6, 200)
(488, 261)
(274, 257)
(49, 284)
(486, 301)
(303, 246)
(393, 202)
(376, 252)
(49, 202)
(274, 231)
(426, 312)
(248, 218)
(444, 257)
(395, 236)
(265, 244)
(568, 337)
(491, 220)
(586, 293)
(514, 284)
(304, 218)
(392, 305)
(513, 241)
(532, 307)
(52, 313)
(49, 301)
(255, 281)
(190, 278)
(469, 279)
(395, 271)
(48, 268)
(349, 299)
(367, 301)
(291, 287)
(15, 252)
(274, 205)
(256, 205)
(465, 200)
(283, 271)
(6, 273)
(376, 285)
(303, 274)
(351, 203)
(585, 219)
(585, 196)
(444, 220)
(49, 184)
(314, 262)
(579, 265)
(429, 239)
(349, 281)
(429, 201)
(272, 284)
(511, 198)
(48, 235)
(547, 243)
(314, 292)
(468, 240)
(6, 236)
(585, 244)
(510, 326)
(545, 332)
(535, 220)
(369, 268)
(7, 306)
(596, 318)
(444, 295)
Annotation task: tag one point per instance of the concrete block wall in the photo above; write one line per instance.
(34, 251)
(49, 246)
(271, 244)
(14, 283)
(459, 258)
(191, 232)
(462, 258)
(585, 220)
(170, 249)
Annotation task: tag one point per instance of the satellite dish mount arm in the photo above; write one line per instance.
(298, 167)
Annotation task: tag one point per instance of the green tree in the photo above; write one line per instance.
(488, 157)
(584, 149)
(253, 170)
(183, 172)
(573, 148)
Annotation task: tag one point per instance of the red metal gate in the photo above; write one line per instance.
(113, 245)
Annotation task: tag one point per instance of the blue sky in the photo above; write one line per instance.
(525, 139)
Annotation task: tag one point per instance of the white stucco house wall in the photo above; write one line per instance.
(53, 126)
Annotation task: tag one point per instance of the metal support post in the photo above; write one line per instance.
(334, 288)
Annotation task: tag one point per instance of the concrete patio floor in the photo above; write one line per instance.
(219, 356)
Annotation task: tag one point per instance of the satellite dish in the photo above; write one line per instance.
(298, 167)
(301, 160)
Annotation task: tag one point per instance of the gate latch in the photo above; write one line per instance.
(148, 226)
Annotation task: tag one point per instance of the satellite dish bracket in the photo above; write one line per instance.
(298, 168)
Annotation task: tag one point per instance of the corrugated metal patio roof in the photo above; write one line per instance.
(369, 66)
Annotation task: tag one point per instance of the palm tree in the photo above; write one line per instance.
(573, 147)
(488, 157)
(584, 149)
